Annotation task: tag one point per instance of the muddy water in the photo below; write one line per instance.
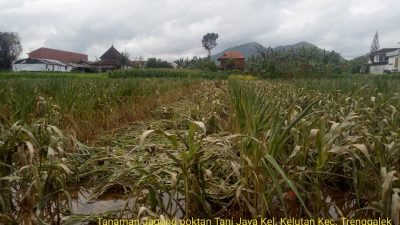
(107, 203)
(112, 202)
(338, 204)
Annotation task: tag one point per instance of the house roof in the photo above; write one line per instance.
(55, 54)
(385, 50)
(232, 55)
(382, 51)
(39, 61)
(393, 53)
(55, 50)
(111, 53)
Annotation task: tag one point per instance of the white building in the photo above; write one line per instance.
(393, 61)
(30, 64)
(384, 60)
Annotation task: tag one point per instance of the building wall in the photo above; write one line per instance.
(394, 62)
(62, 56)
(29, 67)
(40, 67)
(378, 69)
(238, 63)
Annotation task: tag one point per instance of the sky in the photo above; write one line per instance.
(173, 29)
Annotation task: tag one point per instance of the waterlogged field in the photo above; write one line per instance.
(79, 150)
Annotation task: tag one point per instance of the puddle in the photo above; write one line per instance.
(344, 201)
(115, 202)
(107, 203)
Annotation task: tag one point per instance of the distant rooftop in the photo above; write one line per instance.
(385, 50)
(55, 54)
(111, 53)
(232, 54)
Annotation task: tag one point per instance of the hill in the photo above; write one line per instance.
(250, 49)
(302, 44)
(247, 50)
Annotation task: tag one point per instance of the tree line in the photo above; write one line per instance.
(268, 62)
(293, 62)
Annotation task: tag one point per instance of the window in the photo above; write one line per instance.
(381, 58)
(396, 61)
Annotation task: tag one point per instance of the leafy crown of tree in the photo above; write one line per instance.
(209, 41)
(157, 63)
(375, 43)
(10, 49)
(124, 59)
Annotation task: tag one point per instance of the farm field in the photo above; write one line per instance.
(78, 148)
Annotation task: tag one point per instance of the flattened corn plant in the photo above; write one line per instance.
(346, 143)
(290, 145)
(34, 174)
(283, 141)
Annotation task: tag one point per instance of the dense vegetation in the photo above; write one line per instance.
(294, 62)
(167, 73)
(84, 103)
(305, 147)
(10, 49)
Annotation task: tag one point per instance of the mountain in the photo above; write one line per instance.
(247, 50)
(250, 49)
(302, 44)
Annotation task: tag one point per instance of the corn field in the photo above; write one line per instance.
(196, 148)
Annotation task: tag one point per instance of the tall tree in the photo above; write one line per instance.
(375, 43)
(209, 42)
(124, 60)
(10, 49)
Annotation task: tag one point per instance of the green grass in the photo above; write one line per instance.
(166, 73)
(45, 75)
(387, 83)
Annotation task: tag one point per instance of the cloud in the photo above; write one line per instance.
(172, 29)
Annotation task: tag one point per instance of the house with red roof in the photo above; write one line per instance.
(59, 55)
(232, 60)
(48, 59)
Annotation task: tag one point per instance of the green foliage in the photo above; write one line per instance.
(154, 73)
(320, 147)
(70, 102)
(293, 62)
(190, 163)
(357, 65)
(34, 172)
(166, 73)
(209, 42)
(242, 77)
(375, 44)
(10, 49)
(124, 61)
(205, 64)
(157, 63)
(259, 119)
